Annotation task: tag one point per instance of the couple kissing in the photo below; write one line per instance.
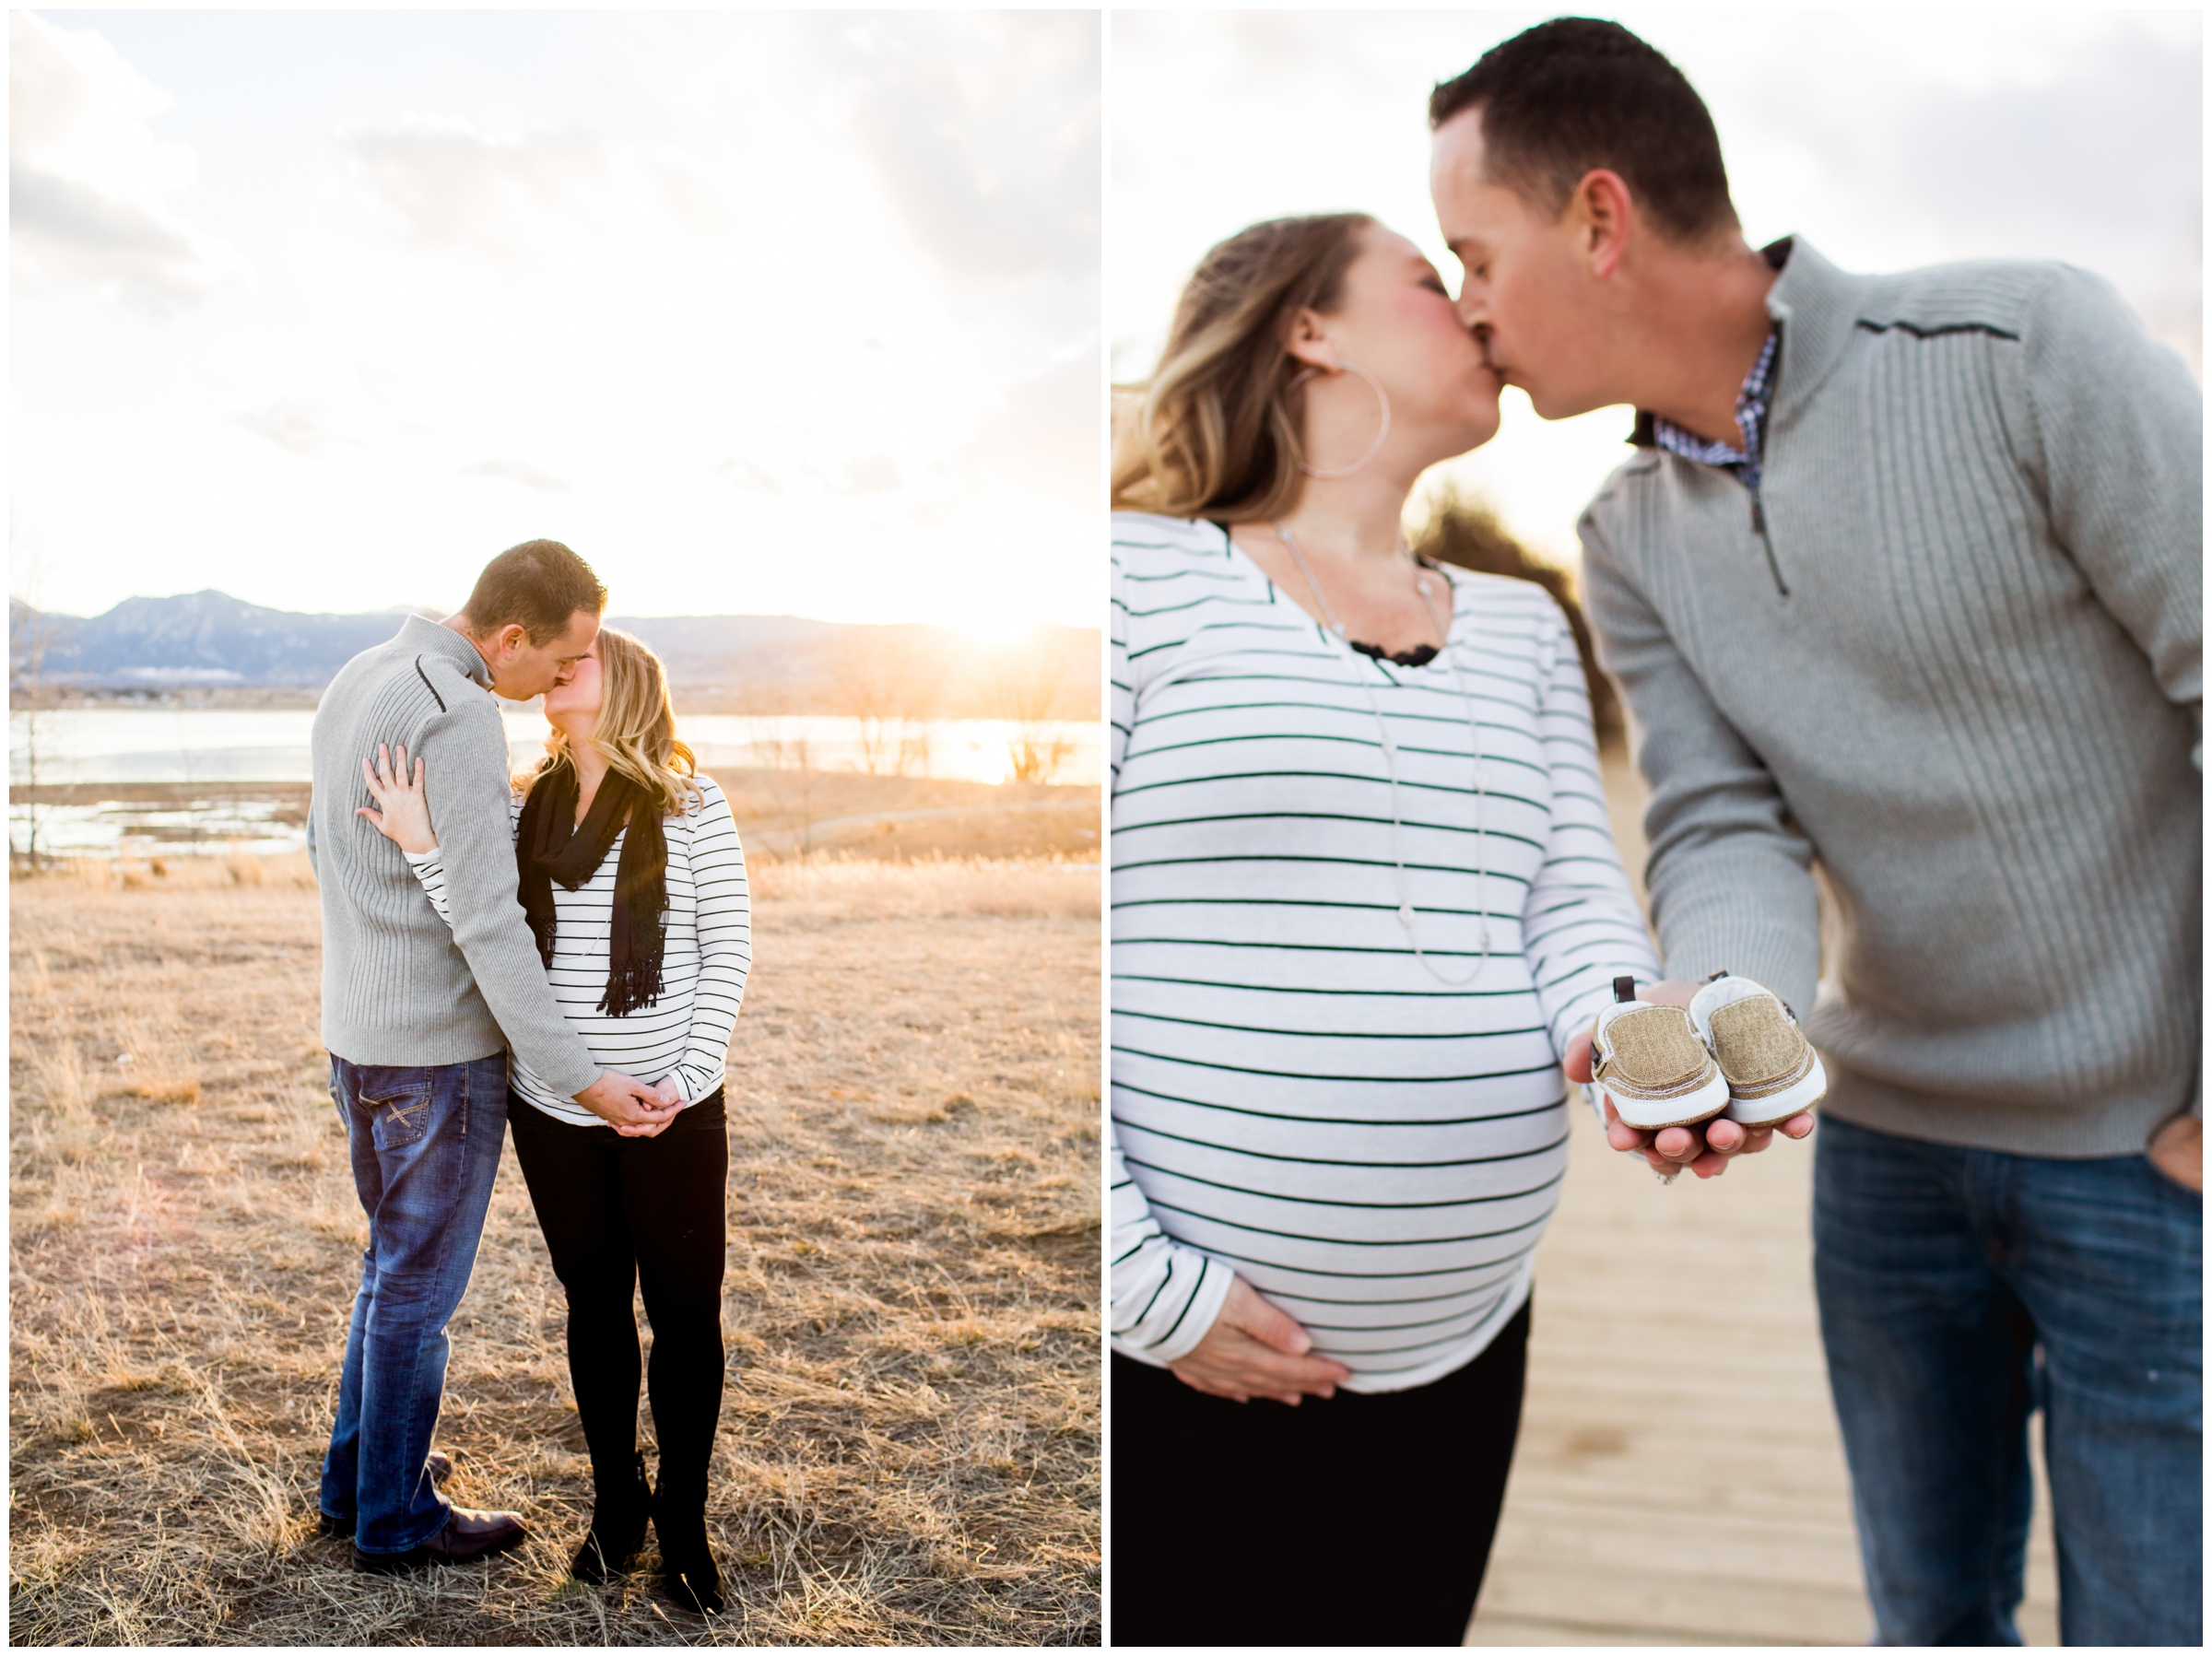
(1903, 574)
(564, 952)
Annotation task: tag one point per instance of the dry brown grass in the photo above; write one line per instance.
(909, 1450)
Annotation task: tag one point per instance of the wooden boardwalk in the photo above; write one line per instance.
(1679, 1480)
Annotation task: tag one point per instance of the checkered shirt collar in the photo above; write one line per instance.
(1751, 414)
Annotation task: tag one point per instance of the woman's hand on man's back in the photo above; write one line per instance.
(403, 815)
(1255, 1349)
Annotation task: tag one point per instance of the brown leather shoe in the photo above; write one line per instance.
(438, 1463)
(468, 1534)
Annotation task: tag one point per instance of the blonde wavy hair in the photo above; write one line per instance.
(636, 729)
(1217, 431)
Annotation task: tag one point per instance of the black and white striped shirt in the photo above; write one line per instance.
(1296, 1098)
(704, 957)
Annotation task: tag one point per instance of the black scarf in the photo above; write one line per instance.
(551, 845)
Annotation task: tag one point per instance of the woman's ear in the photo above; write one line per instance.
(1307, 339)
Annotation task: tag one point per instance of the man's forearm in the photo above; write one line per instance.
(465, 775)
(1741, 906)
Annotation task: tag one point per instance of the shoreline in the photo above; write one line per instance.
(780, 813)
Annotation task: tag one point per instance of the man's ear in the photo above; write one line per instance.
(1603, 215)
(1308, 341)
(511, 638)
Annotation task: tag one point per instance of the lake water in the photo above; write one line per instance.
(87, 747)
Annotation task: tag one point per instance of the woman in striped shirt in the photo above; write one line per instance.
(631, 874)
(1363, 889)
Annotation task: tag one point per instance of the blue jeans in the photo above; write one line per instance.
(425, 1143)
(1959, 1291)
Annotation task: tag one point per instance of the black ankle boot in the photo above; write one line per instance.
(620, 1506)
(688, 1566)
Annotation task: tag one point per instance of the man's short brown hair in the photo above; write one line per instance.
(1562, 99)
(541, 585)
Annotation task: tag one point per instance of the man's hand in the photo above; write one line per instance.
(1255, 1350)
(630, 1107)
(1705, 1149)
(2177, 1150)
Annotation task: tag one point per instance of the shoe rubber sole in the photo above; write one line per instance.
(1688, 1111)
(1793, 1101)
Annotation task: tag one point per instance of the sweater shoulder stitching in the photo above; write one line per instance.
(1938, 331)
(429, 686)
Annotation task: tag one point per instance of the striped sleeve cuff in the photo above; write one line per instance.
(1174, 1294)
(429, 868)
(1163, 1296)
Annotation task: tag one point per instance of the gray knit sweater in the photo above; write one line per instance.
(1961, 667)
(398, 986)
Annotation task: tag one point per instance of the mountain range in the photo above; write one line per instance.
(209, 641)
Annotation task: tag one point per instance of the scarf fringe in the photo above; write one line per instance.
(634, 986)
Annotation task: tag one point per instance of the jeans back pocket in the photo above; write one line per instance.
(399, 1115)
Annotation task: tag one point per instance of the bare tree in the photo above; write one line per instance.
(1026, 685)
(31, 701)
(788, 770)
(884, 680)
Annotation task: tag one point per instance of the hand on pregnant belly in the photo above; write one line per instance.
(1257, 1350)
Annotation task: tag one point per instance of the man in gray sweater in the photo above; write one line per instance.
(1904, 579)
(419, 1018)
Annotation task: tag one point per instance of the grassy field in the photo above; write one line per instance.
(908, 1450)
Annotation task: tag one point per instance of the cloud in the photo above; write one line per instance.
(440, 183)
(298, 425)
(865, 474)
(314, 406)
(753, 479)
(869, 474)
(87, 178)
(518, 471)
(1046, 433)
(2095, 157)
(988, 145)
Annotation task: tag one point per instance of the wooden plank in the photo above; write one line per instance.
(1679, 1479)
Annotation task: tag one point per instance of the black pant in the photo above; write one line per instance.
(617, 1213)
(1364, 1519)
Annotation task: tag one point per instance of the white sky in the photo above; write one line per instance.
(1886, 138)
(762, 312)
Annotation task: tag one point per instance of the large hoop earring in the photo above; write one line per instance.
(1375, 448)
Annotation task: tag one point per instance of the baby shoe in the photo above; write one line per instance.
(1648, 1059)
(1771, 1070)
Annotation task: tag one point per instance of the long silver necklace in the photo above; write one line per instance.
(1407, 916)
